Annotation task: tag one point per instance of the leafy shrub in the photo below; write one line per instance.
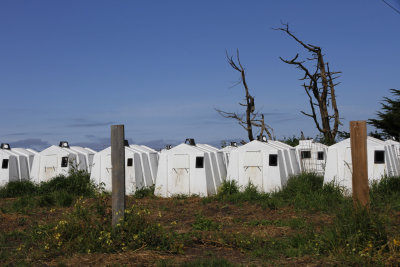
(77, 183)
(228, 188)
(145, 192)
(307, 191)
(17, 189)
(204, 224)
(229, 191)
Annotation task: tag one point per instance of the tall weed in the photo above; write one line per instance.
(307, 191)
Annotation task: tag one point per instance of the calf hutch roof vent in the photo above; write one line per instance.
(234, 144)
(262, 138)
(168, 147)
(190, 141)
(126, 143)
(5, 146)
(64, 144)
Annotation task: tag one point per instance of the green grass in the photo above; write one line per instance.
(350, 236)
(230, 192)
(18, 189)
(386, 193)
(77, 183)
(214, 262)
(294, 223)
(204, 224)
(304, 192)
(60, 191)
(84, 230)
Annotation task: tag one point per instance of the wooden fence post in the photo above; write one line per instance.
(358, 140)
(117, 173)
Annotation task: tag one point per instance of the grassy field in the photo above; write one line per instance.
(67, 221)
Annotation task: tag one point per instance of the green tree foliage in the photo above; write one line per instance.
(388, 120)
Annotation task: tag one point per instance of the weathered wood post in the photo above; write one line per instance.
(358, 140)
(117, 173)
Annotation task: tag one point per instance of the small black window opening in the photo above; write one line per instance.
(4, 164)
(320, 155)
(379, 157)
(273, 160)
(306, 154)
(130, 162)
(199, 162)
(64, 162)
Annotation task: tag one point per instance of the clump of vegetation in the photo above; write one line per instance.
(304, 191)
(18, 189)
(214, 262)
(204, 224)
(84, 230)
(229, 191)
(228, 188)
(76, 183)
(385, 193)
(145, 192)
(307, 191)
(60, 191)
(358, 233)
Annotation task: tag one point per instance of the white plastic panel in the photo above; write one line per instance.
(180, 161)
(253, 159)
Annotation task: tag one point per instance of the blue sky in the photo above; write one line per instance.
(70, 69)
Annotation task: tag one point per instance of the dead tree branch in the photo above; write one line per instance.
(320, 87)
(251, 118)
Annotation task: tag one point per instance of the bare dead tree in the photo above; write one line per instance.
(319, 85)
(251, 118)
(392, 6)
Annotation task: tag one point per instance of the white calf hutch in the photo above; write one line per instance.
(189, 169)
(55, 161)
(227, 151)
(290, 160)
(22, 162)
(259, 163)
(88, 153)
(219, 166)
(312, 156)
(27, 153)
(9, 168)
(396, 151)
(381, 159)
(137, 170)
(149, 160)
